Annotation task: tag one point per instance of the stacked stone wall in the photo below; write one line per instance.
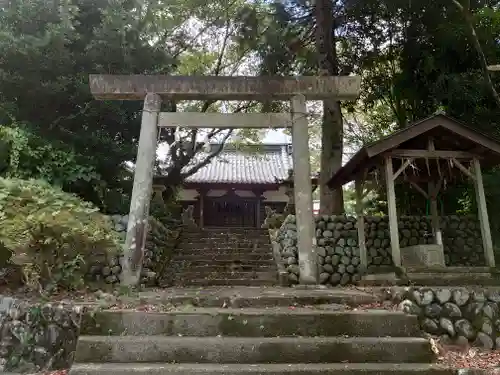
(36, 337)
(338, 248)
(456, 315)
(160, 243)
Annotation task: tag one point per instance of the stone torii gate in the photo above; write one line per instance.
(154, 89)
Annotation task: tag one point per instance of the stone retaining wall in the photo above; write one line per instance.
(159, 244)
(43, 336)
(457, 315)
(338, 251)
(37, 337)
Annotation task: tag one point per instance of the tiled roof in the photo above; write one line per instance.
(259, 164)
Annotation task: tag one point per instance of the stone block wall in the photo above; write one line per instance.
(338, 250)
(458, 316)
(37, 336)
(43, 336)
(159, 243)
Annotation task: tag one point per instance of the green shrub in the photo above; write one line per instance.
(168, 213)
(52, 233)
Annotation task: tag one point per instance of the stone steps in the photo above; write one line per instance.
(144, 349)
(252, 322)
(261, 298)
(229, 247)
(433, 276)
(229, 282)
(245, 236)
(261, 369)
(267, 331)
(251, 275)
(247, 240)
(224, 251)
(224, 257)
(453, 279)
(225, 262)
(209, 267)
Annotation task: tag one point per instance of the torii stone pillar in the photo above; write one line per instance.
(296, 89)
(302, 187)
(135, 241)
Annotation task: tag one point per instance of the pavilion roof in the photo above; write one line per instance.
(447, 133)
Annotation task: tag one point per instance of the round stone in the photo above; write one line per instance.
(447, 326)
(464, 328)
(324, 277)
(452, 311)
(430, 326)
(460, 296)
(328, 268)
(335, 279)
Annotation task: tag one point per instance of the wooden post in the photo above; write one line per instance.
(306, 241)
(483, 215)
(135, 241)
(392, 212)
(257, 210)
(361, 224)
(201, 202)
(436, 229)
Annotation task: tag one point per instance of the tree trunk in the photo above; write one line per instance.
(331, 201)
(469, 22)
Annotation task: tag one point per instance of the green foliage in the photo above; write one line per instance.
(47, 53)
(52, 233)
(29, 156)
(273, 219)
(5, 255)
(167, 213)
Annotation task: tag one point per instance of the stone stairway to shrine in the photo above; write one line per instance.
(280, 334)
(224, 256)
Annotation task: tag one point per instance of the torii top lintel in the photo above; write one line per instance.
(135, 87)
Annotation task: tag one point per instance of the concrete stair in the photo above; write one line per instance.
(270, 339)
(224, 256)
(268, 369)
(434, 276)
(453, 276)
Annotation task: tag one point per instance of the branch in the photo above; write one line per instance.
(197, 148)
(465, 10)
(209, 157)
(196, 36)
(458, 5)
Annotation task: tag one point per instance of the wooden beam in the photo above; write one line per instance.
(201, 209)
(135, 241)
(483, 215)
(465, 171)
(419, 189)
(402, 168)
(433, 192)
(224, 120)
(306, 240)
(392, 212)
(431, 154)
(361, 224)
(135, 87)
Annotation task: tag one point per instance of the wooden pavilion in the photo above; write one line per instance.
(433, 152)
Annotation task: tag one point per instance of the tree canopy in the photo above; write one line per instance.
(414, 58)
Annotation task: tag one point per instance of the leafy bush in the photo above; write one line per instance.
(52, 233)
(168, 213)
(24, 154)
